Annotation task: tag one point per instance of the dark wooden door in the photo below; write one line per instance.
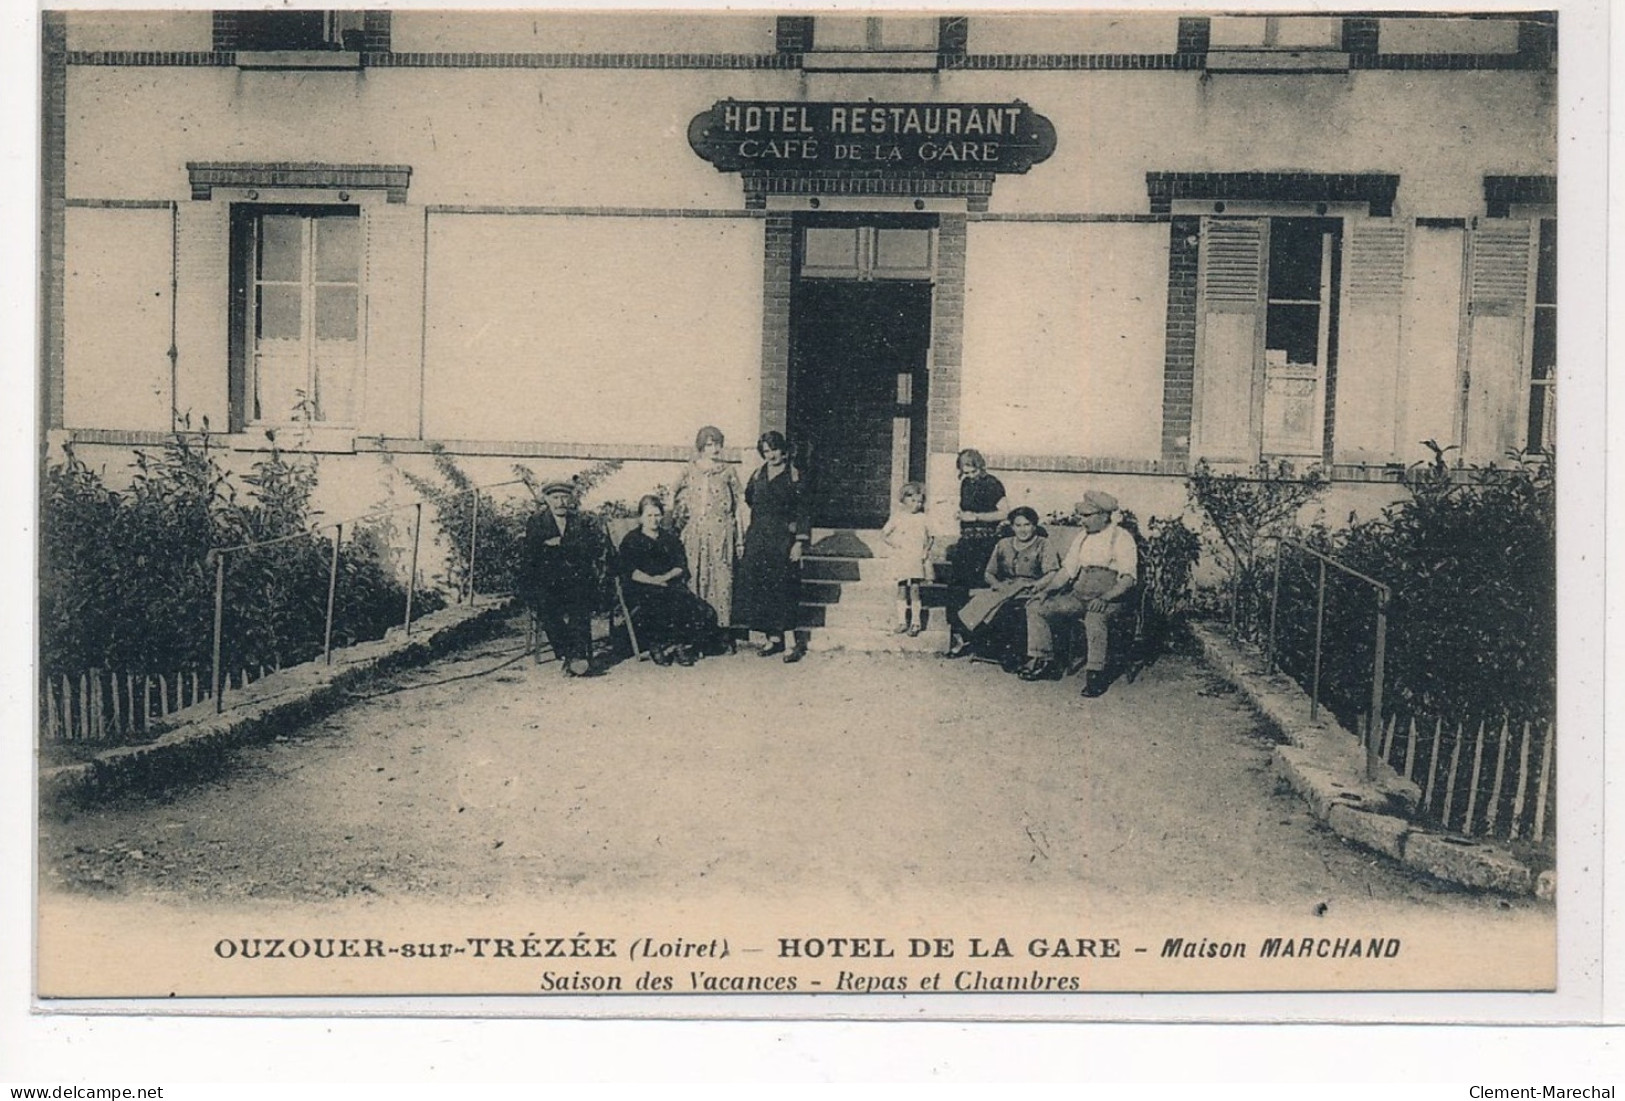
(851, 343)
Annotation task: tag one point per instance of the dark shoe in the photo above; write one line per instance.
(776, 646)
(795, 654)
(1094, 683)
(1038, 669)
(685, 656)
(660, 656)
(1010, 663)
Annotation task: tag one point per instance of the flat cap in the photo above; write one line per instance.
(1097, 501)
(558, 487)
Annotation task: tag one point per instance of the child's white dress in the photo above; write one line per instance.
(908, 546)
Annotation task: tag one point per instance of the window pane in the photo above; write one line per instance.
(903, 248)
(908, 33)
(1546, 267)
(1291, 414)
(1541, 417)
(338, 249)
(1293, 330)
(336, 310)
(1295, 248)
(281, 247)
(335, 389)
(280, 30)
(841, 32)
(277, 309)
(831, 248)
(1309, 31)
(1236, 30)
(1545, 349)
(280, 383)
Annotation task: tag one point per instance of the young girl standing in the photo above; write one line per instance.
(910, 540)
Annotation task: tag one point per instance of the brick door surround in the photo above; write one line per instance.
(947, 329)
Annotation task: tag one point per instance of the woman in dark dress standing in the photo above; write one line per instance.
(982, 506)
(767, 588)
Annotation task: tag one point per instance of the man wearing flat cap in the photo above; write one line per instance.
(560, 573)
(1098, 571)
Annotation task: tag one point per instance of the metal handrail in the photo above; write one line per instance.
(1384, 595)
(218, 555)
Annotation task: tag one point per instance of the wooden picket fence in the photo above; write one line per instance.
(106, 707)
(1482, 779)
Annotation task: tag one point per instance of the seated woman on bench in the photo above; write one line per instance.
(1018, 562)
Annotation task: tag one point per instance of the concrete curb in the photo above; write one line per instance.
(1325, 764)
(197, 737)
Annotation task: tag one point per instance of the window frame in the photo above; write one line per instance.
(1545, 270)
(247, 214)
(1335, 217)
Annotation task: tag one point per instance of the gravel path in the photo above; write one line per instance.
(484, 776)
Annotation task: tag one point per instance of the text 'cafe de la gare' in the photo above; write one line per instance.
(915, 135)
(1098, 247)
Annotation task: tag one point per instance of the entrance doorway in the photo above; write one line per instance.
(860, 332)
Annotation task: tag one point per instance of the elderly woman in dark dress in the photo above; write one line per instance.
(767, 588)
(982, 506)
(674, 623)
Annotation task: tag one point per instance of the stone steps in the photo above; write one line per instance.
(849, 598)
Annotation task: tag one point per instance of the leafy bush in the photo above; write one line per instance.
(1470, 558)
(501, 534)
(1244, 512)
(1168, 554)
(127, 583)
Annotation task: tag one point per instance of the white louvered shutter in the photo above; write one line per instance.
(1369, 379)
(1226, 417)
(202, 310)
(1499, 285)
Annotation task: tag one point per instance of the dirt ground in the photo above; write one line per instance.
(485, 776)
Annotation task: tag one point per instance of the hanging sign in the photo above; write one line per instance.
(984, 137)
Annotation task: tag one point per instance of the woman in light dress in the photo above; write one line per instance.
(708, 495)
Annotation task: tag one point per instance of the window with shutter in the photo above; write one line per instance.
(1496, 380)
(1267, 293)
(1230, 292)
(1541, 423)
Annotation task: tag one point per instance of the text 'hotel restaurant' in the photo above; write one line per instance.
(1096, 247)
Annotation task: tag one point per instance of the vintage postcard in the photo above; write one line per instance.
(816, 512)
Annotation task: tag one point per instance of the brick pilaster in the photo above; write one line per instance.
(226, 34)
(53, 211)
(793, 34)
(947, 336)
(375, 32)
(1195, 32)
(775, 402)
(1179, 356)
(1360, 35)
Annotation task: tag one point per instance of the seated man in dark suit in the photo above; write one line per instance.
(560, 575)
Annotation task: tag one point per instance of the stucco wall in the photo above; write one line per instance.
(117, 319)
(1063, 338)
(592, 330)
(618, 137)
